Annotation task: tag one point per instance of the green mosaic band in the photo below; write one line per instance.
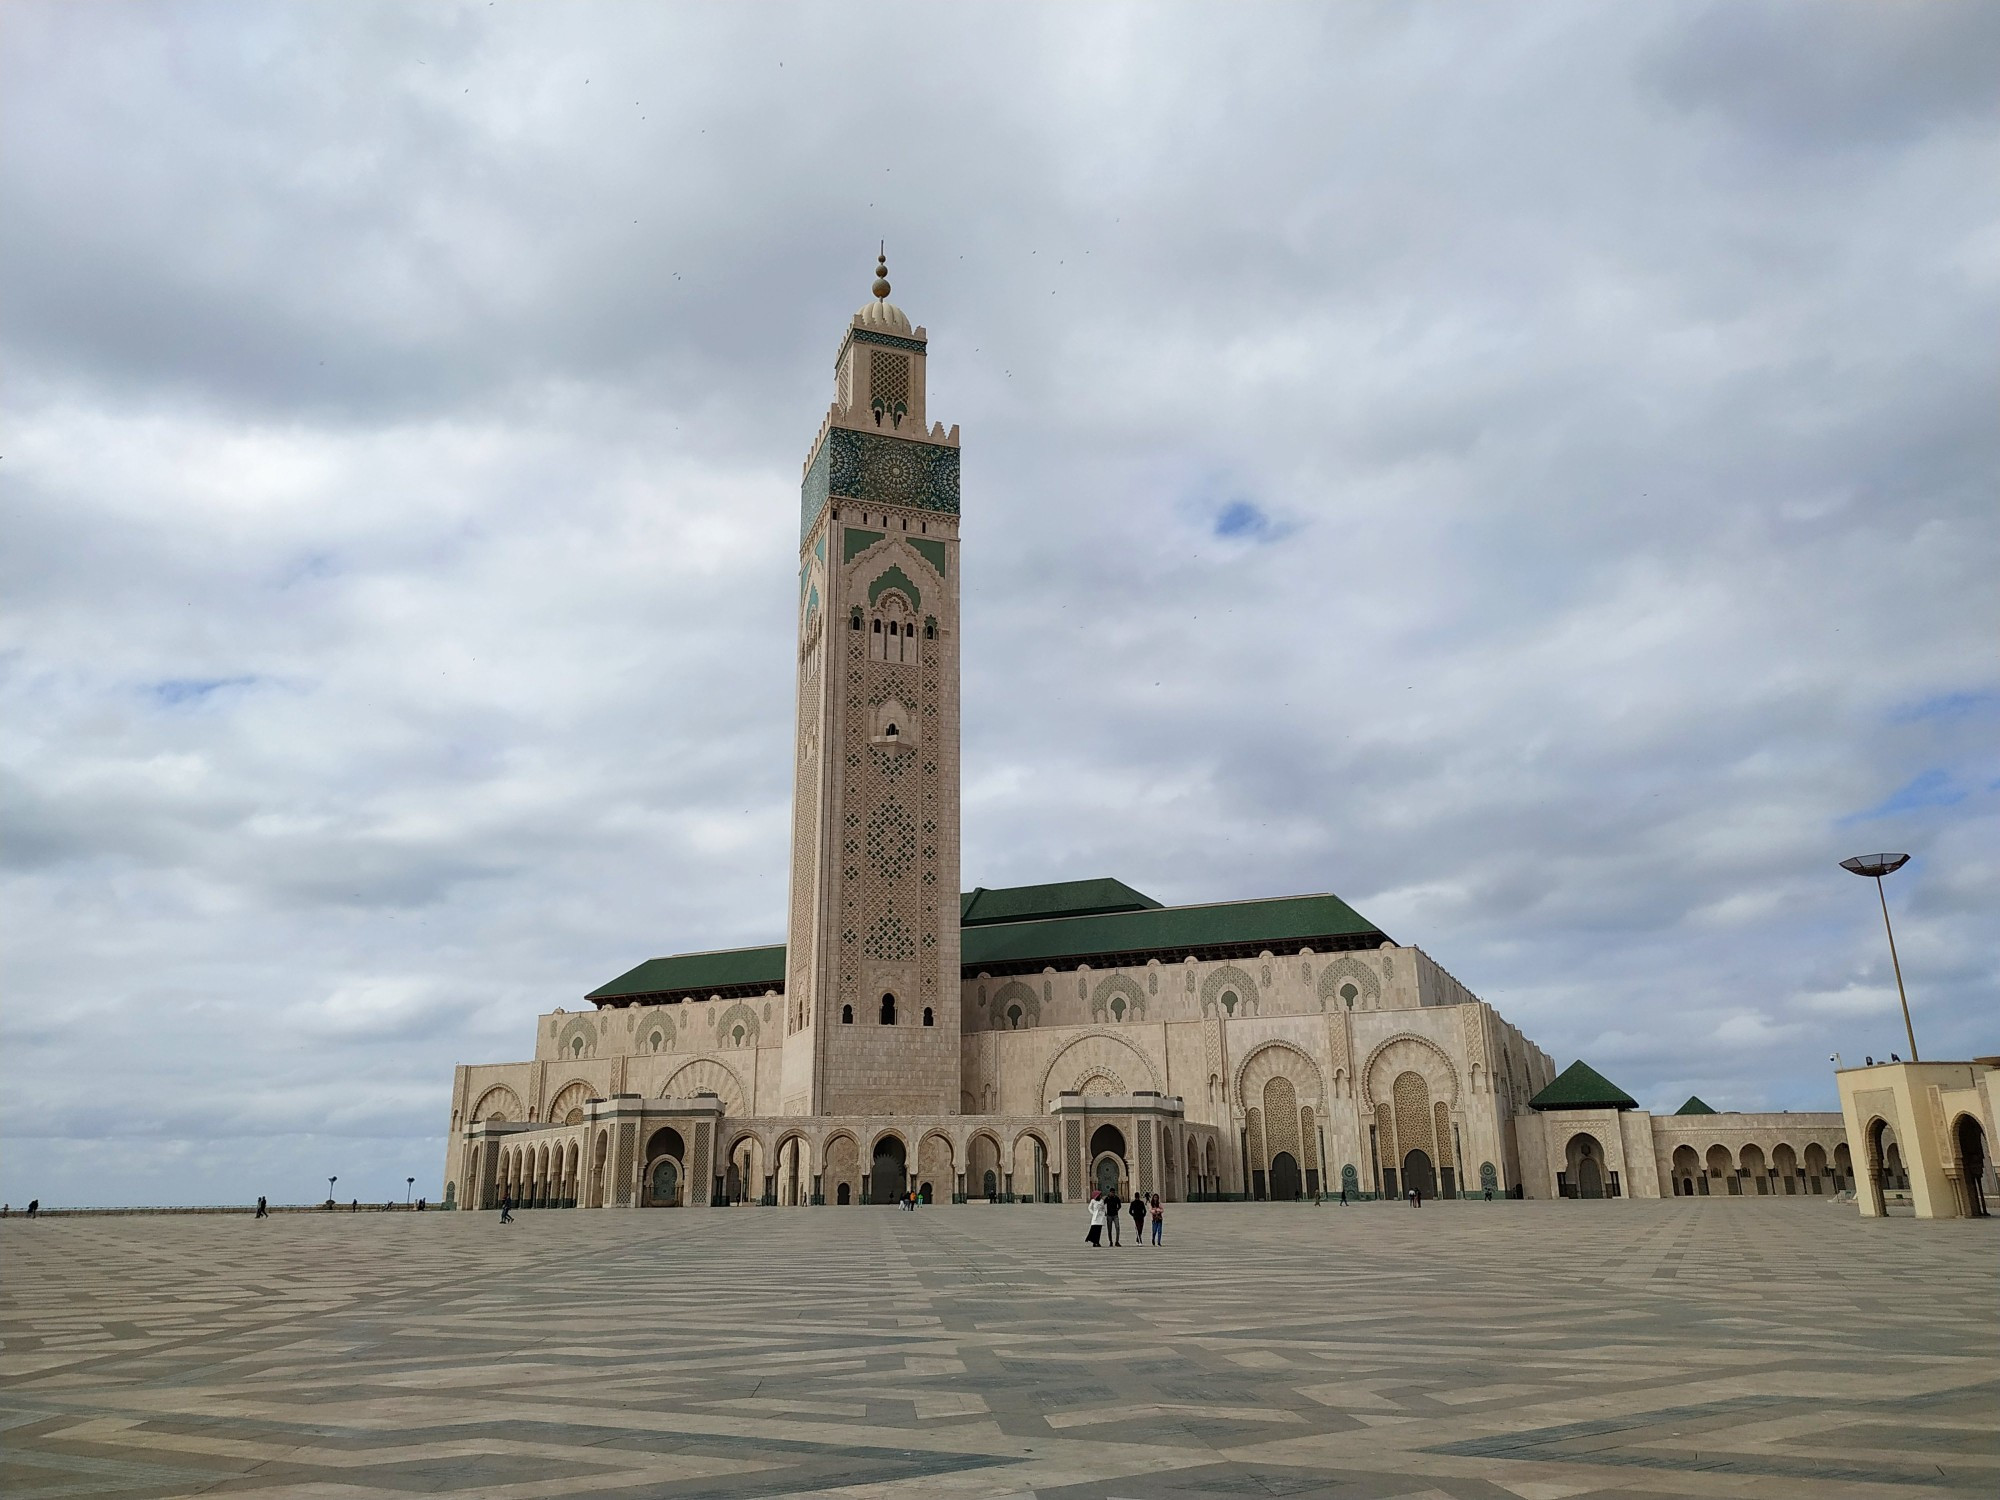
(879, 471)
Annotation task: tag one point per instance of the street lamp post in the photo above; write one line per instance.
(1875, 866)
(407, 1191)
(329, 1188)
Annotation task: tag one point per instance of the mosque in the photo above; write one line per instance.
(1031, 1043)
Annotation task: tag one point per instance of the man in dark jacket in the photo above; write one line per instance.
(1112, 1203)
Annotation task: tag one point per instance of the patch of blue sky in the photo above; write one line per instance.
(1948, 706)
(177, 692)
(1934, 788)
(1245, 520)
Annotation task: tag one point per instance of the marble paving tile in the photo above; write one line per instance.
(1459, 1352)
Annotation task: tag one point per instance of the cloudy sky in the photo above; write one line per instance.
(1528, 469)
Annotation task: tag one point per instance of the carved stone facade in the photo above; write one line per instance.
(1034, 1042)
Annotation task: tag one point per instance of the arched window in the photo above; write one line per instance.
(847, 1015)
(888, 1010)
(878, 627)
(854, 618)
(1014, 1017)
(928, 1021)
(890, 732)
(1229, 1001)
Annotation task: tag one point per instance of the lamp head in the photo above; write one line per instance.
(1875, 865)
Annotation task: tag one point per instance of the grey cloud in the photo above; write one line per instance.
(1605, 376)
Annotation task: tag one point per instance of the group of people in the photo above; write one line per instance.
(34, 1208)
(1104, 1208)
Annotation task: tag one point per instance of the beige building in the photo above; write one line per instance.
(1924, 1132)
(1033, 1042)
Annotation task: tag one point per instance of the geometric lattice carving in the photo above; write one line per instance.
(1408, 1052)
(1228, 982)
(499, 1103)
(1278, 1059)
(1347, 970)
(706, 1075)
(888, 384)
(1098, 1054)
(621, 1171)
(1413, 1113)
(1281, 1118)
(570, 1098)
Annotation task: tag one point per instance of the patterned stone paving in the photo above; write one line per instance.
(1529, 1350)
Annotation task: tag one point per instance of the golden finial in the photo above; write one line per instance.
(882, 271)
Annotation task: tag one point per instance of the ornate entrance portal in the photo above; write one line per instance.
(1418, 1174)
(887, 1173)
(1286, 1184)
(666, 1185)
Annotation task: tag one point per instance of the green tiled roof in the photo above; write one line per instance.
(1169, 932)
(1065, 898)
(1024, 928)
(1696, 1105)
(728, 969)
(1580, 1086)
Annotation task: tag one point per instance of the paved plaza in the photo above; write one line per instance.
(1530, 1350)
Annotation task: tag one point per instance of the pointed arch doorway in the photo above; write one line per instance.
(1287, 1185)
(1418, 1173)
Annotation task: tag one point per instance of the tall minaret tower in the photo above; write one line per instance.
(872, 980)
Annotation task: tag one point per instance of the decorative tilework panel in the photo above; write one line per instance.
(879, 470)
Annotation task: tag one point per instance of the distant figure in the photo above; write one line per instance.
(1159, 1217)
(1138, 1220)
(34, 1207)
(1894, 1058)
(263, 1209)
(356, 1208)
(1489, 1195)
(420, 1205)
(1112, 1202)
(1416, 1196)
(4, 1207)
(1343, 1195)
(1870, 1061)
(507, 1209)
(1097, 1217)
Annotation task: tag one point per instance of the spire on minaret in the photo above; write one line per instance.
(882, 315)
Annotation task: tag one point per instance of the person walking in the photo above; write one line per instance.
(1096, 1235)
(1112, 1203)
(1138, 1220)
(1159, 1211)
(1343, 1195)
(507, 1209)
(263, 1210)
(34, 1207)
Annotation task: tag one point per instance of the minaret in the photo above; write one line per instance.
(872, 978)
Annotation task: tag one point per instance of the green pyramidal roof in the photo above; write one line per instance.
(1024, 928)
(1696, 1105)
(979, 906)
(1580, 1086)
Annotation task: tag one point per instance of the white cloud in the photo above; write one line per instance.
(403, 438)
